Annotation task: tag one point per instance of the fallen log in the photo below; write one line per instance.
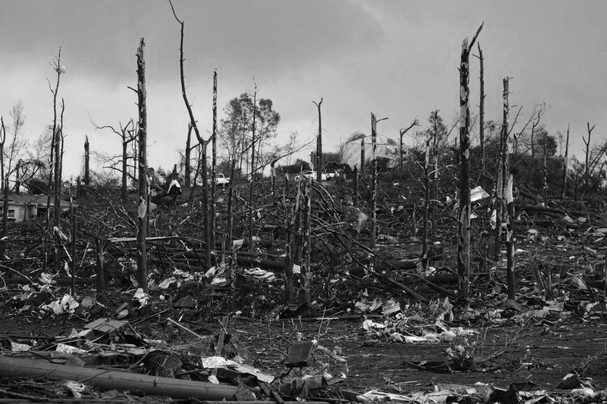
(110, 379)
(400, 285)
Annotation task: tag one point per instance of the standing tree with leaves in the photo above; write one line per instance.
(237, 129)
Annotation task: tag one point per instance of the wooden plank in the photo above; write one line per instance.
(134, 239)
(299, 354)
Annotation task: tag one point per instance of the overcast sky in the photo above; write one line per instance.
(398, 59)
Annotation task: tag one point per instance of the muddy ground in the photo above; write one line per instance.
(533, 353)
(556, 326)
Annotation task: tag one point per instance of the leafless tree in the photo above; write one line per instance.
(534, 125)
(565, 164)
(318, 163)
(463, 244)
(142, 211)
(54, 155)
(214, 162)
(127, 135)
(587, 154)
(203, 146)
(481, 106)
(402, 133)
(252, 175)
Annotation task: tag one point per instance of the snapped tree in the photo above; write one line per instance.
(203, 149)
(402, 133)
(463, 241)
(318, 164)
(127, 135)
(53, 185)
(142, 211)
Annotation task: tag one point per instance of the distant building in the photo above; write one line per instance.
(386, 148)
(23, 208)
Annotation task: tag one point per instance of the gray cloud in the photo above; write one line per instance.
(395, 58)
(100, 37)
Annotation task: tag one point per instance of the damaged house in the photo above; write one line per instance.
(23, 208)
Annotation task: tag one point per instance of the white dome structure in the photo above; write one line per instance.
(385, 148)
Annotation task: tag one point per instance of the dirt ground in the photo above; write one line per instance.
(556, 326)
(535, 354)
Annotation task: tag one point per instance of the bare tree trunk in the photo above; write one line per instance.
(57, 183)
(319, 143)
(142, 213)
(545, 169)
(362, 158)
(307, 244)
(252, 179)
(18, 176)
(400, 150)
(58, 69)
(533, 126)
(426, 226)
(587, 157)
(205, 203)
(203, 149)
(57, 172)
(434, 151)
(4, 180)
(99, 267)
(481, 108)
(511, 279)
(507, 186)
(288, 273)
(565, 164)
(228, 242)
(463, 241)
(214, 163)
(61, 151)
(123, 188)
(373, 180)
(273, 177)
(294, 245)
(87, 172)
(402, 133)
(74, 239)
(355, 186)
(135, 159)
(498, 202)
(187, 157)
